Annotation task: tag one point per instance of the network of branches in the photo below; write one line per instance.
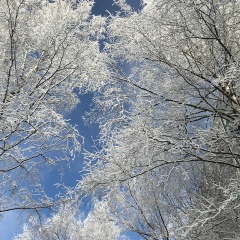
(165, 80)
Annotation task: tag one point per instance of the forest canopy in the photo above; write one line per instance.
(165, 85)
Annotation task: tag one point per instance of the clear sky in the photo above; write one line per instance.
(10, 224)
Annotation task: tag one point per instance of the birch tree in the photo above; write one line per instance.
(47, 49)
(173, 121)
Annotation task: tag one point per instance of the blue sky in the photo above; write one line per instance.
(10, 224)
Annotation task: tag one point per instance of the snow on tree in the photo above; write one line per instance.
(67, 224)
(169, 157)
(47, 49)
(168, 162)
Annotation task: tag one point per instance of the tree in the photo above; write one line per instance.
(48, 50)
(173, 122)
(66, 224)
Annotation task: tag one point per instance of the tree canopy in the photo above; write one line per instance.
(169, 163)
(47, 51)
(165, 80)
(66, 224)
